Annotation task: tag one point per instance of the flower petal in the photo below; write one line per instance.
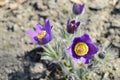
(68, 22)
(69, 50)
(73, 56)
(92, 48)
(82, 59)
(38, 28)
(45, 40)
(77, 24)
(87, 58)
(35, 40)
(87, 61)
(47, 26)
(32, 35)
(76, 40)
(73, 22)
(86, 38)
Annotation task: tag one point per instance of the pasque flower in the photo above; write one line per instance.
(77, 8)
(72, 26)
(82, 49)
(42, 35)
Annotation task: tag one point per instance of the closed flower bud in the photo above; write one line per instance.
(72, 26)
(77, 8)
(101, 55)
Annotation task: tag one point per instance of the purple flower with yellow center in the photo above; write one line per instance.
(42, 35)
(72, 26)
(82, 49)
(77, 8)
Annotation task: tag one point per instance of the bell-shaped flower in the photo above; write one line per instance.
(42, 35)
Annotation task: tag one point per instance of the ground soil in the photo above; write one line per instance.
(101, 19)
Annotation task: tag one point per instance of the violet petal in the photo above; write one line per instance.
(46, 39)
(77, 24)
(86, 38)
(31, 33)
(38, 28)
(92, 48)
(48, 26)
(73, 22)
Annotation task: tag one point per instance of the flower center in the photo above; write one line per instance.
(41, 35)
(72, 25)
(81, 49)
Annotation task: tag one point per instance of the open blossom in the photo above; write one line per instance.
(77, 8)
(42, 35)
(72, 26)
(82, 49)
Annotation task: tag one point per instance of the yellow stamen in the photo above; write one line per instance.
(81, 49)
(41, 35)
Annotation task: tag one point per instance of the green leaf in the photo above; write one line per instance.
(46, 58)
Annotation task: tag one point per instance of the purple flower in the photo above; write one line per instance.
(77, 8)
(72, 26)
(82, 49)
(42, 35)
